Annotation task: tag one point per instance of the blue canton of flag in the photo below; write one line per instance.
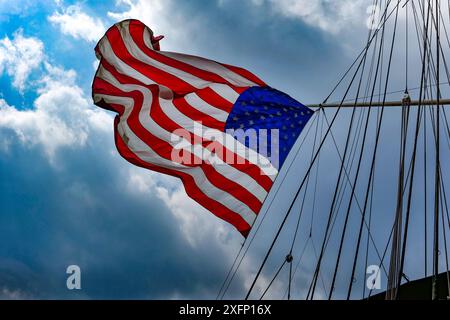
(267, 108)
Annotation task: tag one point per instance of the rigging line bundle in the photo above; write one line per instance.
(339, 216)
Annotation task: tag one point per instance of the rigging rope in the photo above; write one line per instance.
(298, 191)
(231, 274)
(437, 173)
(374, 153)
(299, 217)
(399, 250)
(342, 166)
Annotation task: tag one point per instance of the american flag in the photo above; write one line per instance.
(158, 93)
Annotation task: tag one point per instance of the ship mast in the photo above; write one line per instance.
(435, 295)
(398, 103)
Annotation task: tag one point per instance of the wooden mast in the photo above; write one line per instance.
(442, 102)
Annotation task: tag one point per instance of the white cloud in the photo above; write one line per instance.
(196, 223)
(150, 12)
(12, 294)
(8, 7)
(19, 56)
(74, 22)
(95, 64)
(62, 116)
(162, 16)
(328, 15)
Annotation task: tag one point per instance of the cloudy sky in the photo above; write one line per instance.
(67, 197)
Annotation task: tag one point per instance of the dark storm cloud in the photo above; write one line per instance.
(286, 53)
(127, 245)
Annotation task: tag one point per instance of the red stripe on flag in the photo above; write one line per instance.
(179, 102)
(137, 33)
(157, 75)
(244, 73)
(213, 98)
